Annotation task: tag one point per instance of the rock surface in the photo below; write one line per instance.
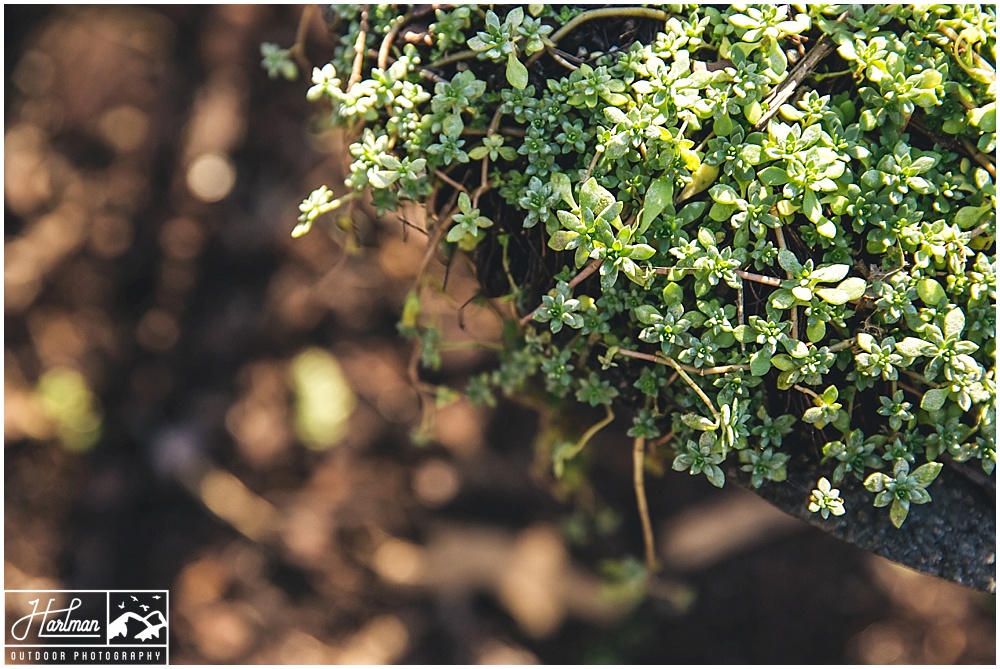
(953, 536)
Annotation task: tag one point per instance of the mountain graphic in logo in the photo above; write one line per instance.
(139, 618)
(119, 626)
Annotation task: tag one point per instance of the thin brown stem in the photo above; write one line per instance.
(980, 229)
(780, 237)
(453, 58)
(593, 164)
(918, 377)
(806, 391)
(439, 231)
(639, 355)
(656, 443)
(682, 370)
(505, 131)
(591, 431)
(359, 50)
(794, 316)
(980, 158)
(605, 13)
(786, 89)
(436, 78)
(841, 345)
(661, 359)
(639, 483)
(694, 386)
(739, 315)
(448, 180)
(701, 146)
(298, 49)
(484, 180)
(390, 37)
(759, 278)
(958, 41)
(559, 59)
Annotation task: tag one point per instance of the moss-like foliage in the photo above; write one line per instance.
(763, 230)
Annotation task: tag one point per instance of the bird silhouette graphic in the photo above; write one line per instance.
(144, 607)
(134, 598)
(122, 605)
(156, 596)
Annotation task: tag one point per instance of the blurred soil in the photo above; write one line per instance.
(167, 346)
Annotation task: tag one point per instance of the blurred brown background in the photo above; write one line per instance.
(195, 401)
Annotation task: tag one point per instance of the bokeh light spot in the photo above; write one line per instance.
(210, 177)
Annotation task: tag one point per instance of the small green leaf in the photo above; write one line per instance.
(884, 498)
(658, 197)
(827, 228)
(898, 512)
(795, 348)
(645, 313)
(517, 73)
(563, 239)
(934, 399)
(562, 187)
(723, 194)
(452, 125)
(702, 177)
(723, 125)
(698, 422)
(813, 415)
(609, 275)
(833, 295)
(954, 323)
(854, 287)
(706, 237)
(876, 482)
(673, 294)
(641, 252)
(789, 262)
(381, 178)
(926, 473)
(830, 273)
(969, 217)
(777, 60)
(715, 475)
(912, 347)
(595, 197)
(866, 341)
(816, 331)
(811, 207)
(801, 293)
(568, 220)
(783, 362)
(782, 299)
(930, 291)
(515, 17)
(760, 363)
(615, 115)
(773, 176)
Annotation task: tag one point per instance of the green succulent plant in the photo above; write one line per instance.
(801, 202)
